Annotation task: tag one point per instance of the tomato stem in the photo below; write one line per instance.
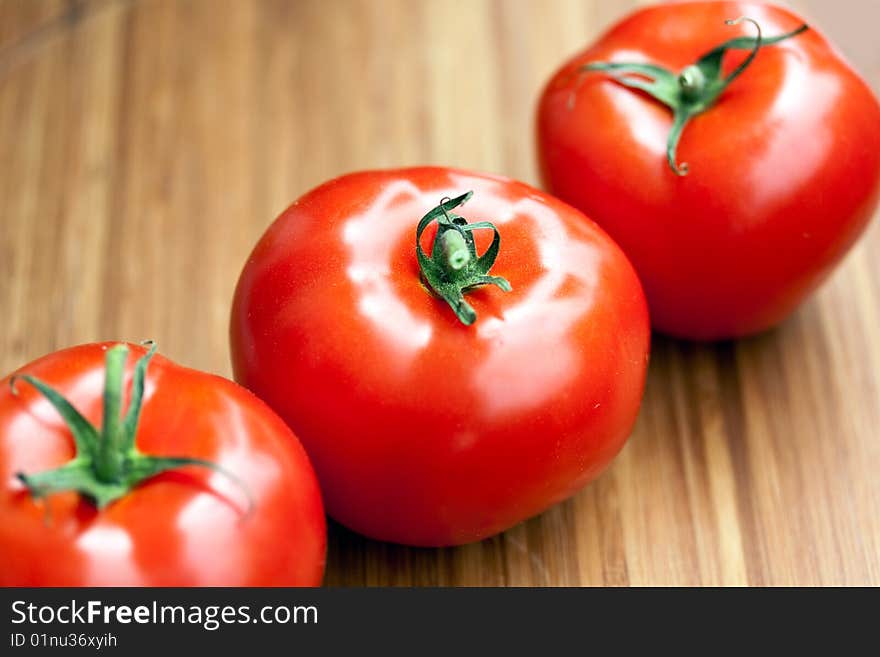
(696, 88)
(109, 456)
(453, 268)
(455, 251)
(692, 82)
(107, 464)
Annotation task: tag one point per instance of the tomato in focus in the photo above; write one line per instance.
(425, 430)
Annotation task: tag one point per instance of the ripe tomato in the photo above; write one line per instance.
(423, 429)
(249, 515)
(784, 163)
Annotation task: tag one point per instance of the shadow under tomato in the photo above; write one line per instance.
(527, 554)
(354, 560)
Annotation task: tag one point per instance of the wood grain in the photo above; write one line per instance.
(145, 146)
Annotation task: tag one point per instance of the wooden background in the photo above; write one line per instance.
(146, 145)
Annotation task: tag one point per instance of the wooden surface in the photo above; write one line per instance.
(146, 145)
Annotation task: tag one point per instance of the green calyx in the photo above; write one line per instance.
(107, 464)
(453, 268)
(694, 89)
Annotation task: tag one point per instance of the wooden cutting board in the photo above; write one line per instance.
(146, 145)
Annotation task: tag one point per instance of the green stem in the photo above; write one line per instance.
(692, 82)
(453, 269)
(759, 41)
(107, 464)
(455, 252)
(679, 120)
(696, 88)
(110, 454)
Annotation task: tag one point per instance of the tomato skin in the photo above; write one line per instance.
(784, 169)
(425, 431)
(186, 527)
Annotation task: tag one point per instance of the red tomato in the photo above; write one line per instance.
(424, 430)
(186, 526)
(784, 164)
